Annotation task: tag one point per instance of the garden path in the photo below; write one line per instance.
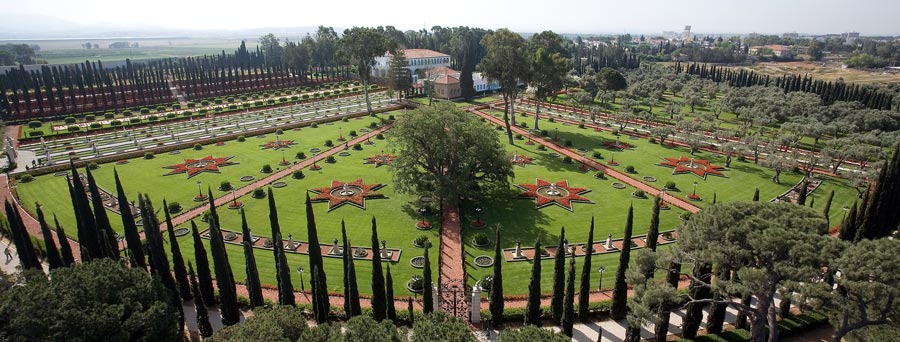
(452, 269)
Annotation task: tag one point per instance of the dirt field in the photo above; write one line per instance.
(831, 71)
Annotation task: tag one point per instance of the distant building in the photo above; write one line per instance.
(850, 38)
(687, 35)
(120, 45)
(418, 59)
(447, 85)
(793, 35)
(781, 51)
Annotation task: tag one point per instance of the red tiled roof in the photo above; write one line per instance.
(420, 53)
(442, 70)
(446, 80)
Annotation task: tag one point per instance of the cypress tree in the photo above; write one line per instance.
(203, 324)
(653, 230)
(132, 238)
(716, 317)
(693, 315)
(714, 198)
(111, 247)
(88, 236)
(568, 319)
(346, 270)
(254, 289)
(533, 306)
(861, 218)
(379, 306)
(428, 288)
(351, 296)
(584, 295)
(409, 307)
(559, 278)
(53, 257)
(27, 255)
(804, 191)
(64, 247)
(620, 292)
(321, 306)
(496, 290)
(881, 217)
(282, 270)
(224, 278)
(827, 209)
(848, 227)
(203, 274)
(181, 276)
(389, 294)
(756, 195)
(159, 262)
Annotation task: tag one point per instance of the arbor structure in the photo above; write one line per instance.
(506, 64)
(447, 152)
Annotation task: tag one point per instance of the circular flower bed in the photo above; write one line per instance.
(423, 225)
(618, 185)
(60, 173)
(279, 184)
(200, 198)
(417, 262)
(221, 143)
(344, 154)
(581, 150)
(364, 130)
(174, 152)
(246, 178)
(181, 232)
(478, 224)
(484, 261)
(416, 285)
(235, 205)
(693, 197)
(315, 167)
(649, 179)
(268, 243)
(612, 163)
(553, 155)
(122, 162)
(638, 194)
(360, 252)
(421, 241)
(260, 136)
(229, 236)
(315, 150)
(480, 240)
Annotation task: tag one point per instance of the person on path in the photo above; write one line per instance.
(8, 254)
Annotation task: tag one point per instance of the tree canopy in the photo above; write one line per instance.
(447, 152)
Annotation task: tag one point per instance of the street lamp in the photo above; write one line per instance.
(695, 189)
(844, 215)
(600, 282)
(300, 270)
(556, 133)
(199, 192)
(233, 198)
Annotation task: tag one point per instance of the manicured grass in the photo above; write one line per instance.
(146, 176)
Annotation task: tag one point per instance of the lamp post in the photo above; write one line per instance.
(600, 282)
(478, 211)
(300, 270)
(695, 189)
(844, 215)
(340, 133)
(233, 198)
(556, 133)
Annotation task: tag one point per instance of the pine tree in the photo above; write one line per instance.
(203, 324)
(64, 247)
(132, 238)
(203, 274)
(254, 289)
(181, 276)
(559, 277)
(716, 318)
(224, 278)
(694, 312)
(584, 295)
(619, 303)
(282, 270)
(568, 319)
(848, 227)
(826, 211)
(653, 230)
(351, 291)
(756, 195)
(496, 290)
(27, 255)
(661, 328)
(320, 303)
(804, 191)
(427, 287)
(389, 294)
(533, 306)
(379, 305)
(53, 257)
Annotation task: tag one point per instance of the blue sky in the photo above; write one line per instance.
(869, 17)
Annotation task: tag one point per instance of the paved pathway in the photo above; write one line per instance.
(622, 177)
(452, 268)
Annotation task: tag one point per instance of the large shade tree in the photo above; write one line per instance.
(361, 45)
(447, 152)
(506, 63)
(548, 67)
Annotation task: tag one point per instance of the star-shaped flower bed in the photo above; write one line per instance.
(278, 144)
(193, 167)
(559, 193)
(617, 145)
(339, 193)
(699, 167)
(380, 159)
(520, 159)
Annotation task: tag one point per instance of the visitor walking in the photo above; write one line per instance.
(8, 253)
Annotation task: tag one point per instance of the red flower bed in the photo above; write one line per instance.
(693, 197)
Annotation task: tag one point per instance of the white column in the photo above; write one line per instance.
(475, 308)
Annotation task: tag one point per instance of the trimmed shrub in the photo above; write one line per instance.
(629, 169)
(145, 110)
(35, 124)
(314, 125)
(357, 147)
(373, 125)
(279, 132)
(671, 185)
(109, 115)
(134, 120)
(89, 117)
(115, 123)
(241, 138)
(379, 136)
(298, 174)
(25, 178)
(225, 186)
(95, 125)
(149, 155)
(519, 137)
(330, 159)
(126, 113)
(173, 115)
(93, 166)
(198, 147)
(174, 207)
(581, 125)
(73, 128)
(352, 133)
(259, 193)
(300, 155)
(567, 160)
(69, 120)
(345, 120)
(545, 133)
(329, 143)
(568, 143)
(35, 134)
(266, 168)
(598, 155)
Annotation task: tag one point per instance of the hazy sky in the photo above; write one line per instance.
(868, 17)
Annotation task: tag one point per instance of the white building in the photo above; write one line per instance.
(418, 59)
